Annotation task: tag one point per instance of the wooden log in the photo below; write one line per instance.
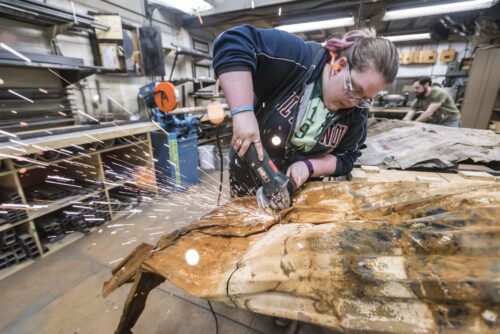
(393, 257)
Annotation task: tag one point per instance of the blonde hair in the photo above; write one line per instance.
(363, 50)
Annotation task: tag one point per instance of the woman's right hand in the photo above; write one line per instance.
(246, 132)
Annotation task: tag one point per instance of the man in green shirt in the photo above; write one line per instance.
(435, 103)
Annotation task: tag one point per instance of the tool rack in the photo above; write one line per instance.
(20, 239)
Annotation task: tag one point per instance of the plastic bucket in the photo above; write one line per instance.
(207, 157)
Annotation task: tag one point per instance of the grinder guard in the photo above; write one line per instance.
(277, 188)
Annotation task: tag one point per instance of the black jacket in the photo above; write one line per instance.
(282, 66)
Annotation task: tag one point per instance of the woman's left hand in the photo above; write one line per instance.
(298, 172)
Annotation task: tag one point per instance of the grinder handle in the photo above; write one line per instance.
(252, 158)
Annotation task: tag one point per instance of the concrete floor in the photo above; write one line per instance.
(61, 293)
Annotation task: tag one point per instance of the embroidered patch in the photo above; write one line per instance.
(286, 107)
(333, 135)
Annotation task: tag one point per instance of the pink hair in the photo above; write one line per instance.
(364, 50)
(337, 45)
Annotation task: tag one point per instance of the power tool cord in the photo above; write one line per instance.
(215, 317)
(221, 159)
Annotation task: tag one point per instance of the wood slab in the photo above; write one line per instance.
(356, 257)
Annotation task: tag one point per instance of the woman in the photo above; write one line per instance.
(305, 103)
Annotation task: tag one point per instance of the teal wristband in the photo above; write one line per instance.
(236, 111)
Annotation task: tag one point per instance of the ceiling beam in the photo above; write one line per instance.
(227, 6)
(293, 9)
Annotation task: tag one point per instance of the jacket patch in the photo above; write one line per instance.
(333, 135)
(286, 107)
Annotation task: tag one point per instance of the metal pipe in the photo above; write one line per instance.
(53, 13)
(42, 4)
(193, 110)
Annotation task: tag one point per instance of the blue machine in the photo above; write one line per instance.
(176, 148)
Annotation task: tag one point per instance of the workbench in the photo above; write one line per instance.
(388, 175)
(381, 112)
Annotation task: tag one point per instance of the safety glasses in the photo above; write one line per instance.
(350, 93)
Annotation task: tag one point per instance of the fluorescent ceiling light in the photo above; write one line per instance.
(412, 37)
(191, 7)
(317, 25)
(450, 7)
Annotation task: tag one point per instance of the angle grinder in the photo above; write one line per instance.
(277, 188)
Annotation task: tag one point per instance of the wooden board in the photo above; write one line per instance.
(476, 168)
(476, 175)
(428, 179)
(75, 138)
(482, 89)
(388, 110)
(359, 175)
(447, 55)
(386, 175)
(428, 57)
(494, 125)
(370, 169)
